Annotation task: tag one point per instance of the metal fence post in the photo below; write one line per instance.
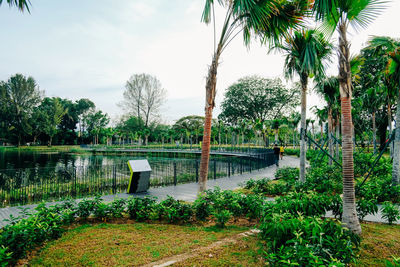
(197, 171)
(175, 180)
(215, 169)
(114, 184)
(229, 168)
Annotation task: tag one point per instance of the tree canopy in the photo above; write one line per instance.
(254, 98)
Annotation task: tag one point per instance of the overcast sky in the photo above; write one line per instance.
(88, 49)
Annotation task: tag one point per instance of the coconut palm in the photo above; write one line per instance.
(22, 5)
(339, 15)
(270, 19)
(305, 52)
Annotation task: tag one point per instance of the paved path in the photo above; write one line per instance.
(187, 192)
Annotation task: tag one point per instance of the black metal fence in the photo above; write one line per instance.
(23, 186)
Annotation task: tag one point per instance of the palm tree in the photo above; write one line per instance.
(339, 14)
(270, 19)
(391, 49)
(305, 51)
(294, 122)
(22, 5)
(329, 89)
(392, 52)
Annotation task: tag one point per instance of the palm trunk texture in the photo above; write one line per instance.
(303, 128)
(210, 96)
(349, 216)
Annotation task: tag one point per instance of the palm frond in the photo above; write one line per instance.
(20, 4)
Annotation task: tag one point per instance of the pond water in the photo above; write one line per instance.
(27, 177)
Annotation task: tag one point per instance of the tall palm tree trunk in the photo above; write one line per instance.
(210, 96)
(396, 154)
(349, 216)
(303, 128)
(330, 132)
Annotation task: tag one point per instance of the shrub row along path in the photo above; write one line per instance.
(186, 192)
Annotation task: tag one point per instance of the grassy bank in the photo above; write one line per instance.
(139, 243)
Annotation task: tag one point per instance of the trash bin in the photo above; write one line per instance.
(140, 176)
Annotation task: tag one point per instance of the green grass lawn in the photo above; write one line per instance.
(141, 243)
(127, 244)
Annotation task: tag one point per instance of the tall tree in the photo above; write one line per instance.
(20, 95)
(54, 111)
(392, 52)
(143, 97)
(271, 19)
(305, 52)
(254, 98)
(328, 88)
(339, 14)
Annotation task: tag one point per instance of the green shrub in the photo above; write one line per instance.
(288, 174)
(390, 212)
(117, 208)
(140, 209)
(307, 241)
(268, 187)
(222, 217)
(5, 256)
(203, 207)
(86, 207)
(174, 210)
(251, 206)
(308, 204)
(365, 207)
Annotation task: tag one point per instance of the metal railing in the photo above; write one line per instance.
(30, 185)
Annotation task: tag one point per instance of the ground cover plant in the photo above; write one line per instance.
(293, 222)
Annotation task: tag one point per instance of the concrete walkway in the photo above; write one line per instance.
(186, 192)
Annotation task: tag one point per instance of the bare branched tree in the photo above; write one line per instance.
(143, 97)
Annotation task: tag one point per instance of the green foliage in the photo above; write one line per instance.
(271, 94)
(390, 212)
(222, 217)
(365, 207)
(288, 174)
(268, 187)
(306, 203)
(140, 209)
(305, 241)
(174, 210)
(25, 234)
(86, 207)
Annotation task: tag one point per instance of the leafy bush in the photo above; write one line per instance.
(390, 212)
(306, 241)
(222, 217)
(308, 204)
(251, 206)
(5, 256)
(140, 209)
(117, 208)
(268, 187)
(365, 207)
(203, 207)
(174, 210)
(28, 233)
(288, 174)
(86, 207)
